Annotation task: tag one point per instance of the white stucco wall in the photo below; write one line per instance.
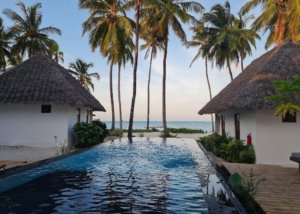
(276, 140)
(247, 124)
(26, 125)
(272, 139)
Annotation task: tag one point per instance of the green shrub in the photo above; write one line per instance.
(247, 155)
(233, 151)
(87, 134)
(116, 132)
(230, 150)
(235, 181)
(102, 126)
(216, 143)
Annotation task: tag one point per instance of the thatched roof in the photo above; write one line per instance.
(249, 89)
(40, 80)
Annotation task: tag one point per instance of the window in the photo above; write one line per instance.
(78, 115)
(237, 126)
(289, 118)
(46, 109)
(87, 115)
(223, 125)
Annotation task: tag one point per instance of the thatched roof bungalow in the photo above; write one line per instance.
(244, 110)
(40, 102)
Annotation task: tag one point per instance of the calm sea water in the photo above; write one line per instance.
(204, 125)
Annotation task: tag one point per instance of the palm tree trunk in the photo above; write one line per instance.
(112, 97)
(136, 57)
(164, 113)
(148, 100)
(210, 94)
(229, 68)
(242, 63)
(119, 95)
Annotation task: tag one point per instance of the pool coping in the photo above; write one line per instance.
(18, 169)
(237, 204)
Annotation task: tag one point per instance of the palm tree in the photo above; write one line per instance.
(5, 46)
(153, 43)
(281, 18)
(124, 57)
(223, 40)
(56, 53)
(166, 14)
(247, 37)
(108, 28)
(199, 41)
(136, 4)
(79, 69)
(29, 37)
(120, 58)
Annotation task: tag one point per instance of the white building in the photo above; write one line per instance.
(40, 102)
(242, 109)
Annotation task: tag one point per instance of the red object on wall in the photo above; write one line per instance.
(249, 139)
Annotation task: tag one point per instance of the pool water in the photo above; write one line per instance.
(142, 176)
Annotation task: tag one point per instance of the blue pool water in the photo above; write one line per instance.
(143, 176)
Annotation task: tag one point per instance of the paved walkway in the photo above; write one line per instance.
(280, 192)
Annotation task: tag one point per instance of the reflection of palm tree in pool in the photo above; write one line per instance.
(129, 192)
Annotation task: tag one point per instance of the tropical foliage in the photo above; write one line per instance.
(153, 43)
(79, 70)
(246, 38)
(163, 15)
(56, 53)
(280, 18)
(286, 97)
(5, 46)
(29, 37)
(110, 30)
(199, 40)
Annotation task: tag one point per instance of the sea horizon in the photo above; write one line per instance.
(141, 124)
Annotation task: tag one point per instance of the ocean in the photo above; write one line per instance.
(204, 125)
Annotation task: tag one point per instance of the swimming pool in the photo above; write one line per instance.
(139, 176)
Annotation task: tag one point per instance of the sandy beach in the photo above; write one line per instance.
(12, 156)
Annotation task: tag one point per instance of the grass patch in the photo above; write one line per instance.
(186, 131)
(142, 130)
(116, 132)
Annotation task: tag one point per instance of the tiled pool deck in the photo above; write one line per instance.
(280, 192)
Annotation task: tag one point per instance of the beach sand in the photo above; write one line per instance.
(12, 156)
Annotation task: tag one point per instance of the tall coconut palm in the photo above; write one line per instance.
(246, 37)
(137, 5)
(199, 41)
(124, 56)
(153, 43)
(281, 18)
(5, 46)
(170, 14)
(56, 53)
(223, 42)
(107, 26)
(79, 69)
(30, 38)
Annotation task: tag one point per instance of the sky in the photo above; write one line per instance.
(187, 90)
